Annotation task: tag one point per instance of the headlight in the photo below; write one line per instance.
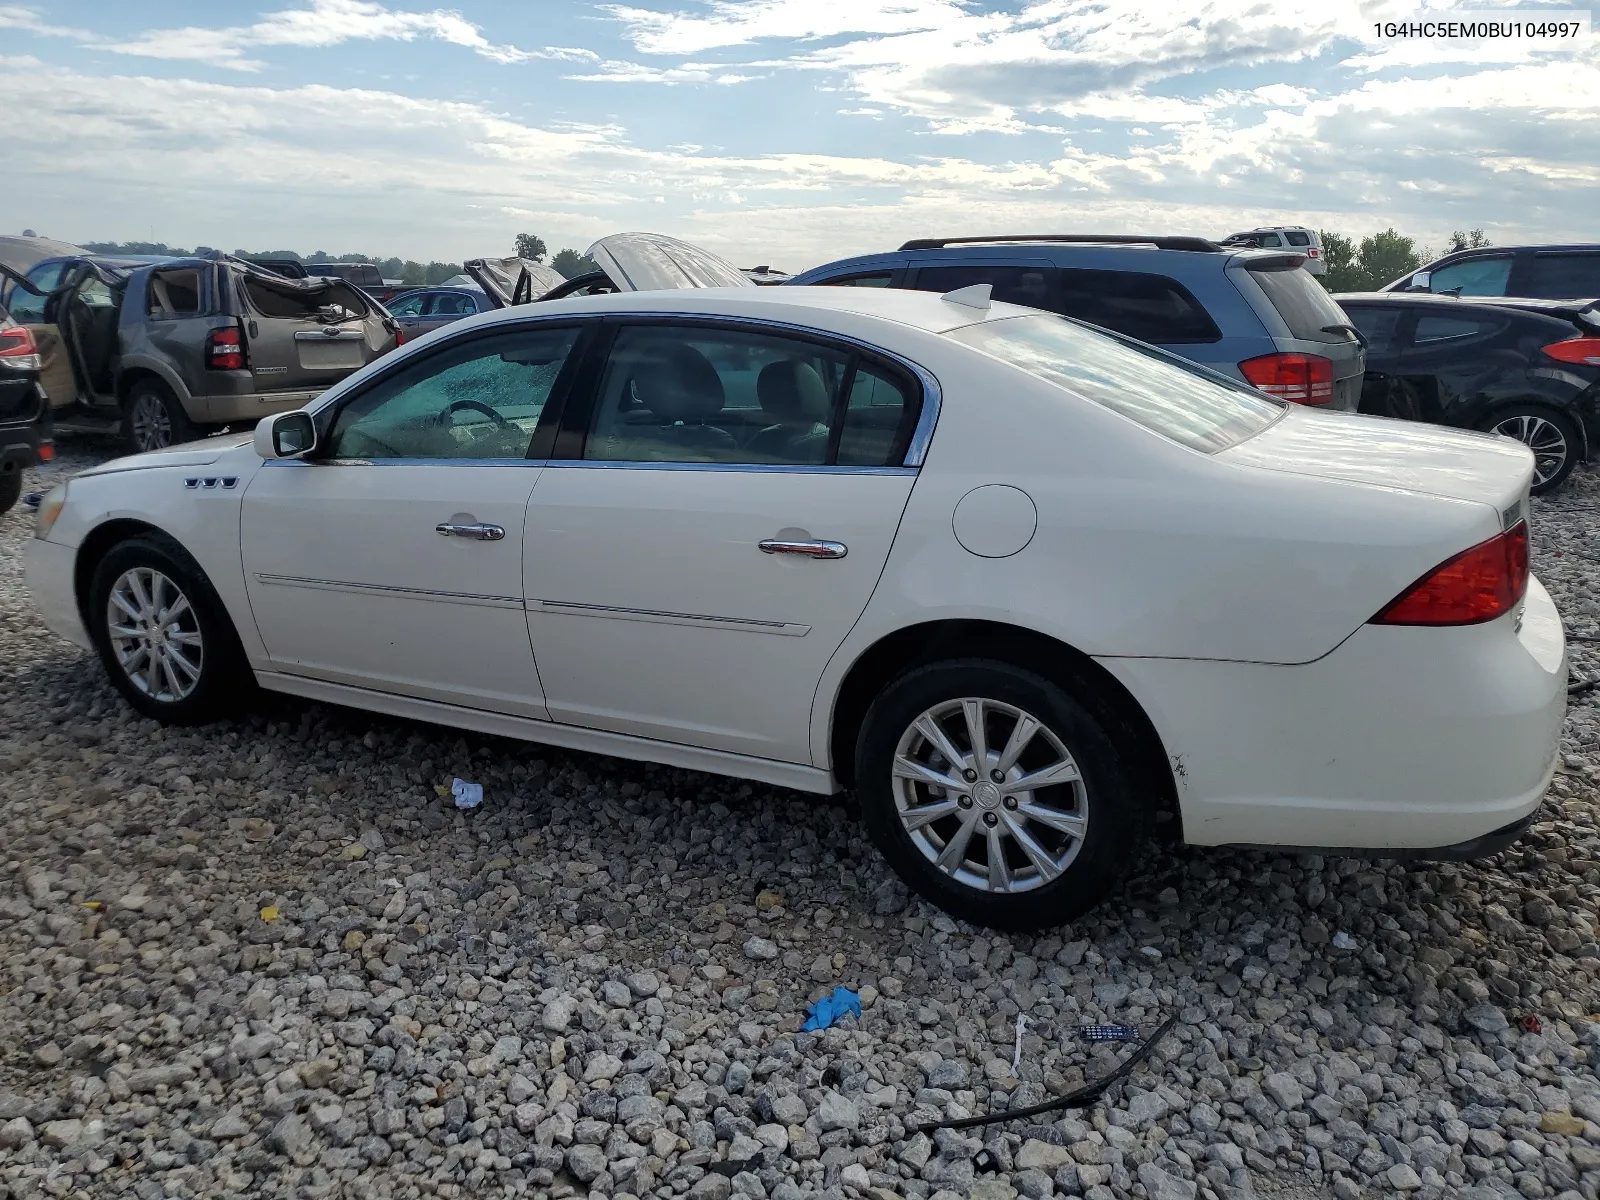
(49, 509)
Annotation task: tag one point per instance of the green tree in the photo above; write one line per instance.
(390, 268)
(572, 264)
(1339, 253)
(438, 272)
(1472, 240)
(413, 274)
(531, 247)
(1387, 256)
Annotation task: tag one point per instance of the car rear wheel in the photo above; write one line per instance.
(163, 634)
(152, 418)
(1551, 436)
(10, 489)
(995, 794)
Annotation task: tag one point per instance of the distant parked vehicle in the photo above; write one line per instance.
(1536, 272)
(1529, 369)
(26, 438)
(1279, 237)
(167, 351)
(422, 310)
(767, 276)
(1250, 314)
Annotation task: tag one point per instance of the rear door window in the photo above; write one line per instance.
(1380, 326)
(1298, 239)
(871, 279)
(1152, 308)
(1306, 308)
(1435, 329)
(1024, 283)
(174, 294)
(1560, 277)
(1486, 276)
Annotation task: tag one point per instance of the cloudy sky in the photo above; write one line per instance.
(781, 131)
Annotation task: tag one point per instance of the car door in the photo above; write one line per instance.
(444, 307)
(1015, 281)
(729, 502)
(1384, 393)
(1452, 358)
(392, 560)
(407, 312)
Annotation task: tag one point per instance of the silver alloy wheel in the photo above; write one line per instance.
(154, 634)
(1544, 438)
(990, 795)
(152, 424)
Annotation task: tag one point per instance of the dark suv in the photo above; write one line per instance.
(25, 432)
(1252, 314)
(170, 350)
(1528, 272)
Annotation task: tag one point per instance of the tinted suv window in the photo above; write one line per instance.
(1024, 284)
(479, 399)
(1562, 277)
(690, 394)
(875, 279)
(1152, 308)
(1302, 303)
(1474, 277)
(1298, 239)
(1144, 385)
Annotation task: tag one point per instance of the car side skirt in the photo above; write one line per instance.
(550, 733)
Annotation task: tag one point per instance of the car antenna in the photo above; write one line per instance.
(973, 296)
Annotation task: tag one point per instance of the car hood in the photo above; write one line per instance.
(189, 454)
(653, 262)
(511, 281)
(1452, 463)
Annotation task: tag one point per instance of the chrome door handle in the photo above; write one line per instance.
(478, 533)
(811, 549)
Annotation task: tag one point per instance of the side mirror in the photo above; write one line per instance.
(286, 435)
(1419, 281)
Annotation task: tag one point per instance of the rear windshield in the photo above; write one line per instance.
(1158, 390)
(1302, 303)
(337, 301)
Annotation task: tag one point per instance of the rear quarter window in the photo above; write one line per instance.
(1153, 308)
(1562, 277)
(1302, 303)
(1144, 384)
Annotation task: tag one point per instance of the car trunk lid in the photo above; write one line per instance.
(1312, 322)
(512, 281)
(306, 334)
(650, 262)
(1399, 455)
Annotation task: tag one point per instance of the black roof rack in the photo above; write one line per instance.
(1122, 239)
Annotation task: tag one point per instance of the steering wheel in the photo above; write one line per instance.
(456, 406)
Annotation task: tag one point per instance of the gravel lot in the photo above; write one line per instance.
(269, 959)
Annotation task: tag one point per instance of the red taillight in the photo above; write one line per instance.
(18, 350)
(1476, 585)
(1311, 251)
(399, 338)
(1580, 351)
(1300, 378)
(225, 349)
(47, 451)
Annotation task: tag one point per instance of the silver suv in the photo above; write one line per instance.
(170, 350)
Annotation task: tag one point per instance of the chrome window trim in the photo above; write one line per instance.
(726, 468)
(916, 449)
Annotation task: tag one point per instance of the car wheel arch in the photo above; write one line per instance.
(892, 655)
(99, 542)
(1538, 400)
(131, 376)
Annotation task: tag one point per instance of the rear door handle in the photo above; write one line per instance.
(480, 532)
(809, 549)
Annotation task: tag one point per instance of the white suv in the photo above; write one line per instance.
(1293, 237)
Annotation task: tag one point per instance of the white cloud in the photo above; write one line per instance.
(724, 23)
(321, 23)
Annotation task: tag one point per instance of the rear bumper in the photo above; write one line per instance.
(49, 570)
(227, 410)
(1405, 741)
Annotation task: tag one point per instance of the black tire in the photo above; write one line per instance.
(152, 418)
(221, 681)
(10, 489)
(1534, 423)
(1116, 815)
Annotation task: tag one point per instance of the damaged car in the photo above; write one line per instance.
(169, 351)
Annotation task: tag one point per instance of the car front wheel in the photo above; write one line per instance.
(995, 794)
(10, 489)
(163, 634)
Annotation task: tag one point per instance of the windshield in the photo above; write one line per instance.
(1203, 411)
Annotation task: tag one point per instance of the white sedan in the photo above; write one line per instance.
(1019, 584)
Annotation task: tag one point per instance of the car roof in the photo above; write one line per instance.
(926, 311)
(1150, 254)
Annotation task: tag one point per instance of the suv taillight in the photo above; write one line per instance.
(1580, 351)
(225, 349)
(1300, 378)
(18, 350)
(1476, 585)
